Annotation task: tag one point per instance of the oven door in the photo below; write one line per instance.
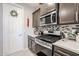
(43, 51)
(43, 48)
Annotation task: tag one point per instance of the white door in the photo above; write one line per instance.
(13, 28)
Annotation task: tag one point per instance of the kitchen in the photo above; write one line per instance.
(56, 27)
(40, 29)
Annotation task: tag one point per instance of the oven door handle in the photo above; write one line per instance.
(37, 41)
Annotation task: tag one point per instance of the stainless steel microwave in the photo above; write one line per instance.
(50, 18)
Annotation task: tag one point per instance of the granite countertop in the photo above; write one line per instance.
(33, 35)
(68, 45)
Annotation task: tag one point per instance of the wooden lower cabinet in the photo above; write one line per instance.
(31, 44)
(58, 51)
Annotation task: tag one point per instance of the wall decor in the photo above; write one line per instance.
(27, 22)
(13, 13)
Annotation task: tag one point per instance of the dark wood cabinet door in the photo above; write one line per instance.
(36, 18)
(67, 13)
(45, 8)
(33, 46)
(51, 7)
(29, 43)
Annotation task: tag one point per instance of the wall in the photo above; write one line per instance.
(27, 14)
(28, 30)
(1, 30)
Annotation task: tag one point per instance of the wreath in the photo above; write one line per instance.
(13, 13)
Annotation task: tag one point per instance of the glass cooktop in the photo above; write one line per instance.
(49, 38)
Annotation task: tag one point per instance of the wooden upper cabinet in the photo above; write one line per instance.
(51, 7)
(67, 13)
(45, 8)
(36, 18)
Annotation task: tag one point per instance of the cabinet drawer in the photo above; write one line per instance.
(64, 52)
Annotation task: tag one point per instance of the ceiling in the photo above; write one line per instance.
(31, 5)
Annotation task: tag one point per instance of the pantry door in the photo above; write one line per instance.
(13, 28)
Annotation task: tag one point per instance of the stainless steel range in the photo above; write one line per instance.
(45, 43)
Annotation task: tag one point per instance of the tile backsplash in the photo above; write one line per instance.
(69, 28)
(70, 31)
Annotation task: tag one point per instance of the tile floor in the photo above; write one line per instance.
(26, 52)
